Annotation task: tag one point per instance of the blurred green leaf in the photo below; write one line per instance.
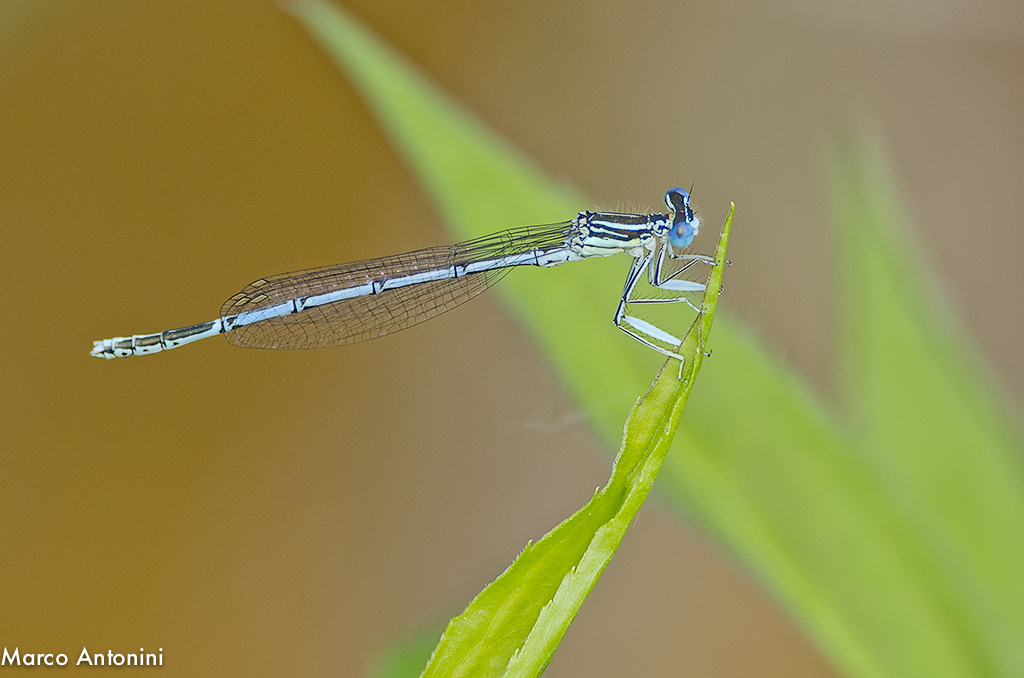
(865, 542)
(929, 416)
(481, 186)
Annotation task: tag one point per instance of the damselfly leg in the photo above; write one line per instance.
(659, 277)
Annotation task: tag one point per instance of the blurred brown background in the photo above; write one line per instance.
(264, 514)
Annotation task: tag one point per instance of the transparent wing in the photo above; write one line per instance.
(361, 318)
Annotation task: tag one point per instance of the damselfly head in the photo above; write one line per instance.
(685, 223)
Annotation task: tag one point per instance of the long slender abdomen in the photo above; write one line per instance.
(141, 344)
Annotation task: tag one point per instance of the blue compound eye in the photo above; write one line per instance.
(685, 223)
(682, 234)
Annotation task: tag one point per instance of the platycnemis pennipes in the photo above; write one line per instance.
(353, 302)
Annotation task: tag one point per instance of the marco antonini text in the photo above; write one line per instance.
(85, 658)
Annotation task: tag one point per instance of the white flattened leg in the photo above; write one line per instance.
(656, 274)
(142, 344)
(682, 286)
(657, 278)
(642, 330)
(653, 331)
(702, 258)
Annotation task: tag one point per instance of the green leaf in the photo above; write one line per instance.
(514, 625)
(870, 550)
(795, 501)
(929, 416)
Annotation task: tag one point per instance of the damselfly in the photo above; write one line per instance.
(349, 303)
